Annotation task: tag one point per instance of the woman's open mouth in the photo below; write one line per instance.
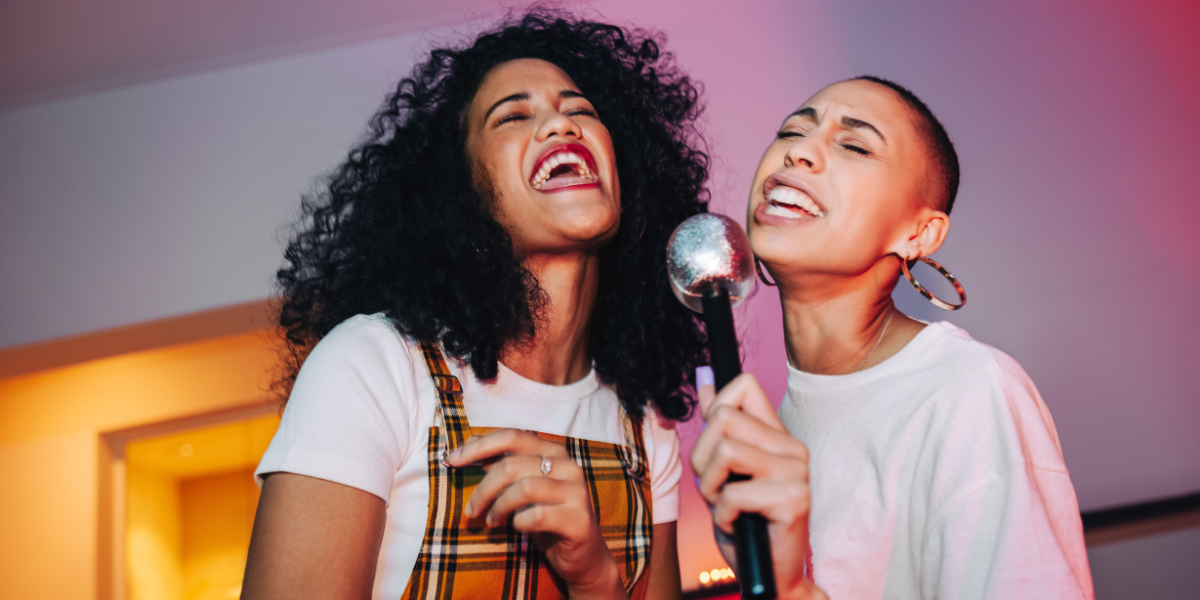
(789, 199)
(563, 166)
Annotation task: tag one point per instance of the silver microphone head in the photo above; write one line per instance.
(706, 250)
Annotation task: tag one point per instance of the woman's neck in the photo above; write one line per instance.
(558, 352)
(835, 326)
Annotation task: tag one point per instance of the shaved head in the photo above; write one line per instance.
(944, 172)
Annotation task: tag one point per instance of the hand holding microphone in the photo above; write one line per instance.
(751, 471)
(711, 268)
(744, 435)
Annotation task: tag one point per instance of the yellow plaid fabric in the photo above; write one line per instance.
(463, 558)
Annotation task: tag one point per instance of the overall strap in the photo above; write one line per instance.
(449, 391)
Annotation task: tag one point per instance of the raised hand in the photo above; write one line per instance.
(745, 436)
(538, 483)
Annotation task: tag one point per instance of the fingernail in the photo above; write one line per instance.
(697, 480)
(704, 376)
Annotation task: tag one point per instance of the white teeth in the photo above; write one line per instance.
(780, 211)
(559, 159)
(792, 197)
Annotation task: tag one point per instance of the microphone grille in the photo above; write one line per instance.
(705, 250)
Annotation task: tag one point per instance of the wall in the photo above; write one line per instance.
(1072, 233)
(50, 427)
(1159, 566)
(154, 536)
(176, 189)
(218, 516)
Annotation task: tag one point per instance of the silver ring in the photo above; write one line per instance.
(443, 458)
(546, 466)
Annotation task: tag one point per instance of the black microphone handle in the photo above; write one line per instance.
(751, 541)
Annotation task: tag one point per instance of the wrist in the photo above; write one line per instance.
(604, 583)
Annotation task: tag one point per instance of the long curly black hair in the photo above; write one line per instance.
(399, 227)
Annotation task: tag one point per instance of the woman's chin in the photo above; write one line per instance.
(578, 235)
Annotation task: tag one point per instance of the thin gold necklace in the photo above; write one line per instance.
(880, 341)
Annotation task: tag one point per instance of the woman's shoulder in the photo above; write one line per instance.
(960, 357)
(360, 329)
(367, 346)
(990, 389)
(364, 334)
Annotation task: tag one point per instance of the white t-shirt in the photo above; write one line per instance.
(360, 414)
(937, 474)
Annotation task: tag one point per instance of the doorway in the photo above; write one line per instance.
(184, 500)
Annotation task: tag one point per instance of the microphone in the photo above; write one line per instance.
(711, 268)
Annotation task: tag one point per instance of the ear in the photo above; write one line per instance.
(925, 234)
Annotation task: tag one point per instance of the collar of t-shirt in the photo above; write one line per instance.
(582, 409)
(910, 354)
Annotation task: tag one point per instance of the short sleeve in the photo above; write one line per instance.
(1018, 535)
(998, 543)
(662, 446)
(352, 415)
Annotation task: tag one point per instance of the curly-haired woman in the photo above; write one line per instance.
(486, 265)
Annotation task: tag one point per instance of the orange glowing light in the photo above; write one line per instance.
(716, 575)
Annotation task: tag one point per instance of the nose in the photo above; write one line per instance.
(558, 124)
(806, 154)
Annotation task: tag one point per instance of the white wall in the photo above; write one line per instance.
(1074, 232)
(168, 197)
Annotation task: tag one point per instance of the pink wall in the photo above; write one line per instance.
(1074, 230)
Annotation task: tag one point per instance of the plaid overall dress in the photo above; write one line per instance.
(467, 559)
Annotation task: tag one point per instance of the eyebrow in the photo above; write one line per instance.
(847, 122)
(523, 96)
(852, 123)
(807, 111)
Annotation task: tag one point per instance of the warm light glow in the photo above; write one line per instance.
(51, 421)
(715, 575)
(191, 501)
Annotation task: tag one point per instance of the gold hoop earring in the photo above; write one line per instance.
(763, 278)
(938, 302)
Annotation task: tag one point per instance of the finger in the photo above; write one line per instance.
(529, 491)
(481, 448)
(500, 475)
(562, 520)
(785, 503)
(744, 393)
(706, 389)
(732, 456)
(730, 423)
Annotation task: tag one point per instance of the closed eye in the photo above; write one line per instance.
(787, 135)
(582, 111)
(509, 118)
(857, 149)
